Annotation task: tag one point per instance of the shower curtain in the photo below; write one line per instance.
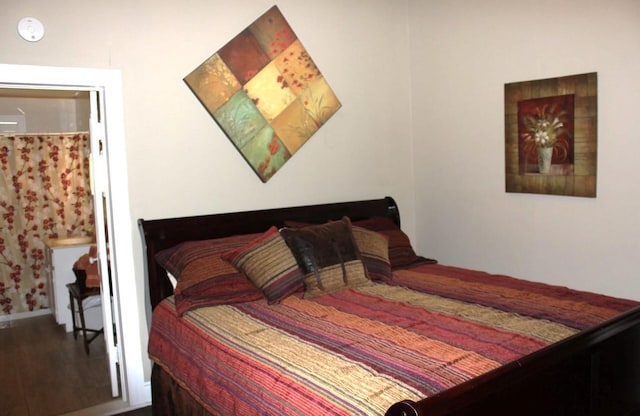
(44, 194)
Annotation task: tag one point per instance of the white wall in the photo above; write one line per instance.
(179, 161)
(444, 88)
(462, 55)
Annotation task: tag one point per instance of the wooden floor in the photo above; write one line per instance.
(45, 372)
(145, 411)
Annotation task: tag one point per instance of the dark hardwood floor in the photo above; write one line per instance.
(45, 372)
(145, 411)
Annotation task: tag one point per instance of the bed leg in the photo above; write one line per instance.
(595, 380)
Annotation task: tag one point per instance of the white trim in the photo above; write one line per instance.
(25, 315)
(114, 407)
(136, 391)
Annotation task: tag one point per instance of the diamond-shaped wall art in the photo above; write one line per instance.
(265, 92)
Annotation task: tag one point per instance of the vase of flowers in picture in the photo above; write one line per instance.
(545, 154)
(545, 135)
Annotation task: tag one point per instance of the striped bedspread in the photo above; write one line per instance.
(361, 350)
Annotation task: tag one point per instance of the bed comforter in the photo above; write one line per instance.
(360, 350)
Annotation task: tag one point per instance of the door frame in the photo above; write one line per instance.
(135, 390)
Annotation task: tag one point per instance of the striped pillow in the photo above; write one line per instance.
(212, 281)
(374, 249)
(401, 252)
(204, 278)
(178, 260)
(269, 264)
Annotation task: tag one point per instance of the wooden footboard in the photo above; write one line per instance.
(595, 372)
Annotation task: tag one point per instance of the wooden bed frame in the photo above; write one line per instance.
(595, 372)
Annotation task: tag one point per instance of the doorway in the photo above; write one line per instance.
(110, 180)
(48, 130)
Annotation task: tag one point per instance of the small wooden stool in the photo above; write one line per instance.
(76, 295)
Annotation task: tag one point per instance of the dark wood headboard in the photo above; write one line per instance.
(160, 234)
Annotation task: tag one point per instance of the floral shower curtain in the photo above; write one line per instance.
(44, 194)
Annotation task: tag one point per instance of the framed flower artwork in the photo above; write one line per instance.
(551, 135)
(265, 92)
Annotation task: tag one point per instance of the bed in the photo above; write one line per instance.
(422, 338)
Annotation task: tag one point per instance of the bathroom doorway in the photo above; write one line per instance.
(112, 212)
(34, 122)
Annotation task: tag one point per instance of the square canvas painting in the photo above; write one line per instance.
(265, 92)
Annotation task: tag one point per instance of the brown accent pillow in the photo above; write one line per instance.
(204, 278)
(401, 252)
(328, 256)
(269, 264)
(373, 247)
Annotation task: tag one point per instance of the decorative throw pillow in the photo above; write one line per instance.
(204, 278)
(175, 259)
(328, 256)
(374, 249)
(269, 264)
(333, 279)
(401, 252)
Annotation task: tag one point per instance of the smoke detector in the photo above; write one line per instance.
(31, 29)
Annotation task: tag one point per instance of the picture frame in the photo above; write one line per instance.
(551, 136)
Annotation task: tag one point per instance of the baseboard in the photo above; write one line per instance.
(24, 315)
